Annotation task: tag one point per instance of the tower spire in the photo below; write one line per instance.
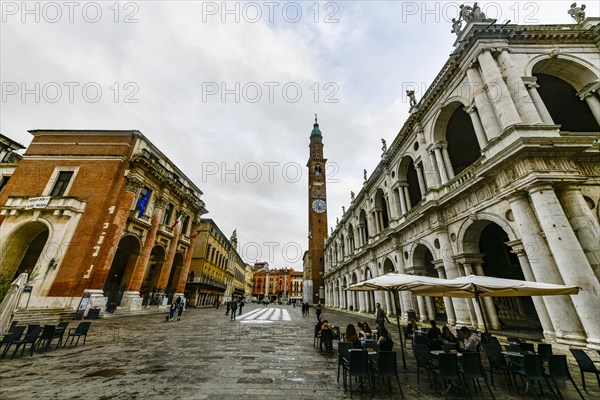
(316, 130)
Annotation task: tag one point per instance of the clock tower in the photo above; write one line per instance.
(314, 291)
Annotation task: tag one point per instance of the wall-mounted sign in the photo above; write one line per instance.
(37, 202)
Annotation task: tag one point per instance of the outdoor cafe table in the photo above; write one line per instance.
(438, 352)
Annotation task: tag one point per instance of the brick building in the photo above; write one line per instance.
(277, 284)
(100, 215)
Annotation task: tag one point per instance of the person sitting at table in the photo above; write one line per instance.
(326, 326)
(367, 330)
(433, 333)
(385, 342)
(319, 324)
(351, 336)
(412, 327)
(359, 330)
(471, 341)
(448, 337)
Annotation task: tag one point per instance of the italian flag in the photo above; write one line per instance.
(178, 220)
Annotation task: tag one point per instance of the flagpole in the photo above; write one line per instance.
(400, 332)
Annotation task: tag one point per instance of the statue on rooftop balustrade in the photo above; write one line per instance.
(577, 13)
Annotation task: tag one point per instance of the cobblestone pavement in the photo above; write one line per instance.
(262, 355)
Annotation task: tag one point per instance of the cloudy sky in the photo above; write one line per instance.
(228, 90)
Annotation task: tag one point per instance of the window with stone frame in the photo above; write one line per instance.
(168, 213)
(61, 183)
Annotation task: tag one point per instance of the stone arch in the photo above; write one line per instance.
(388, 266)
(363, 223)
(342, 243)
(486, 253)
(559, 82)
(122, 265)
(454, 127)
(414, 249)
(23, 250)
(465, 239)
(158, 255)
(175, 273)
(351, 243)
(407, 174)
(381, 209)
(574, 70)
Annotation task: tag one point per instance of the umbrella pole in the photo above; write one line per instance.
(400, 333)
(482, 311)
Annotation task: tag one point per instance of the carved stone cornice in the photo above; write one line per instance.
(133, 183)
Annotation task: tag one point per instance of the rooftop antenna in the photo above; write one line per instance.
(506, 23)
(491, 23)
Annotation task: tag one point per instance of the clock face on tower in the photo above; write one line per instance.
(319, 206)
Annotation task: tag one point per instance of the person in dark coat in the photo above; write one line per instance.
(241, 305)
(228, 307)
(180, 310)
(233, 309)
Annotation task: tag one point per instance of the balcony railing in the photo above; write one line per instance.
(17, 204)
(133, 215)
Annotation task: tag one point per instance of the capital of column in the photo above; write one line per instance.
(160, 202)
(133, 183)
(530, 82)
(470, 109)
(539, 186)
(516, 247)
(589, 90)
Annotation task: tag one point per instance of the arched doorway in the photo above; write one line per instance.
(157, 259)
(363, 227)
(423, 265)
(409, 182)
(174, 275)
(126, 256)
(23, 251)
(488, 240)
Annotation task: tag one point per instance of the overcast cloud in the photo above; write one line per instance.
(352, 61)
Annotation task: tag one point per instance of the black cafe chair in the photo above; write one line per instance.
(586, 365)
(14, 334)
(46, 337)
(81, 330)
(30, 338)
(448, 372)
(533, 371)
(343, 355)
(357, 367)
(558, 370)
(473, 371)
(386, 367)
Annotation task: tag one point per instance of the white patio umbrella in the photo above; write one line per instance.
(11, 301)
(394, 283)
(477, 286)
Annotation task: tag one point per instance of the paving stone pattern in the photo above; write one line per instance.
(206, 356)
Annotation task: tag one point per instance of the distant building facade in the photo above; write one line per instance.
(99, 215)
(276, 284)
(494, 173)
(217, 272)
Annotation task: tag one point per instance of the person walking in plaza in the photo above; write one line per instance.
(180, 310)
(228, 305)
(172, 311)
(319, 310)
(380, 318)
(303, 309)
(233, 309)
(307, 309)
(241, 306)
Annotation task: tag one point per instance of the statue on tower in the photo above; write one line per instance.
(343, 210)
(365, 174)
(456, 26)
(352, 195)
(384, 147)
(577, 13)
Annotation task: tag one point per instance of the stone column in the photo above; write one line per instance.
(478, 311)
(519, 93)
(538, 103)
(407, 197)
(113, 235)
(449, 168)
(430, 308)
(540, 307)
(165, 271)
(583, 223)
(187, 262)
(488, 304)
(440, 163)
(436, 172)
(362, 302)
(439, 267)
(419, 168)
(422, 309)
(402, 198)
(590, 95)
(487, 114)
(561, 309)
(392, 207)
(568, 253)
(450, 272)
(497, 90)
(477, 126)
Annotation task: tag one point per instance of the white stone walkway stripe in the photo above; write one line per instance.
(269, 314)
(249, 314)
